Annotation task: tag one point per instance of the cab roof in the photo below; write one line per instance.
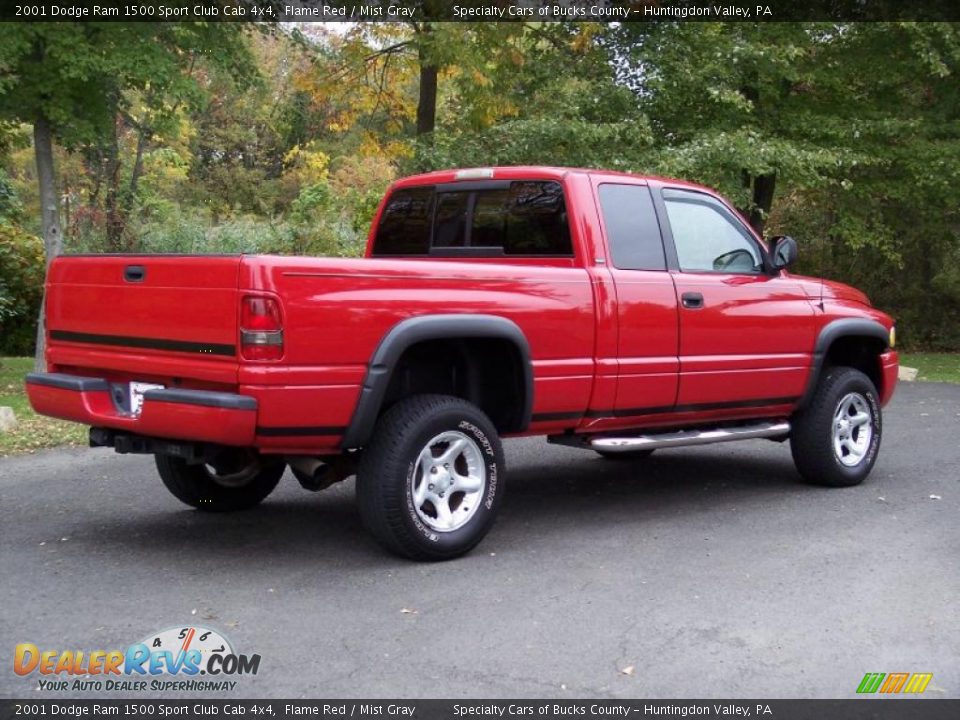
(523, 172)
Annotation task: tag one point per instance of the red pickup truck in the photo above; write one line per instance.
(606, 311)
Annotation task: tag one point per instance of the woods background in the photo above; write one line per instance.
(169, 137)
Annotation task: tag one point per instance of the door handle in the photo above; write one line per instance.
(692, 300)
(134, 273)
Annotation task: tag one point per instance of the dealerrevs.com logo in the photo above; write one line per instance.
(176, 659)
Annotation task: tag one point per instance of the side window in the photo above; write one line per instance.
(404, 227)
(632, 228)
(707, 237)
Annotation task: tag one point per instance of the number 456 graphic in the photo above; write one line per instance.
(895, 683)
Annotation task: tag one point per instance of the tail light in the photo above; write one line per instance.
(261, 329)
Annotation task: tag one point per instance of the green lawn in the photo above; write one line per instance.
(934, 367)
(33, 431)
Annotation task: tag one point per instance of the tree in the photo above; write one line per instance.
(849, 132)
(69, 80)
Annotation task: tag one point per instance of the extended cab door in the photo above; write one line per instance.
(647, 323)
(745, 333)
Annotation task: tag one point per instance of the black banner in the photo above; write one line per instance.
(876, 708)
(479, 10)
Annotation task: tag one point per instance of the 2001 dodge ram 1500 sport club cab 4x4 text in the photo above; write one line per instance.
(606, 311)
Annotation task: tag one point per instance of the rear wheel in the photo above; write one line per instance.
(430, 483)
(238, 481)
(836, 438)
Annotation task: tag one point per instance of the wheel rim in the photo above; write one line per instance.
(449, 481)
(852, 429)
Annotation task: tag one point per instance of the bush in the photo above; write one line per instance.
(22, 270)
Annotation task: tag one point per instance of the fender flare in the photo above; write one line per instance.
(417, 329)
(830, 333)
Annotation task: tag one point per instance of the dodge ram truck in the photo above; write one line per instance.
(617, 313)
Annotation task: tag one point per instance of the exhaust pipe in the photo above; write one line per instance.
(314, 474)
(690, 437)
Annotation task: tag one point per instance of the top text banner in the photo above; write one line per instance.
(481, 11)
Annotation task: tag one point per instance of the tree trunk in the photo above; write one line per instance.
(130, 196)
(49, 215)
(427, 99)
(763, 188)
(427, 102)
(114, 214)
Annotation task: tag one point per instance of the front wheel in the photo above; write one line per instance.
(836, 438)
(239, 481)
(430, 483)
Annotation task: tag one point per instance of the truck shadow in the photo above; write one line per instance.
(553, 498)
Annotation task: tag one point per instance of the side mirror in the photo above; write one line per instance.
(783, 251)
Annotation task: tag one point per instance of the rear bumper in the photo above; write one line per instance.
(197, 415)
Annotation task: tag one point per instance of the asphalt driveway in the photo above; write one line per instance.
(711, 572)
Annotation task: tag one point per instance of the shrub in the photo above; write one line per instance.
(22, 269)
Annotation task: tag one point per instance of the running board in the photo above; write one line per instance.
(690, 437)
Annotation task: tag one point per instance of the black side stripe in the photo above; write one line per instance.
(300, 431)
(143, 342)
(661, 410)
(545, 417)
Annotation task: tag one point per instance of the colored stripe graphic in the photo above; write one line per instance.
(870, 682)
(918, 682)
(894, 682)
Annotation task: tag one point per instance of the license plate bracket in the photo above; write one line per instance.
(137, 389)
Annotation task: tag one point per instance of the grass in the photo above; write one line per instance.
(934, 367)
(33, 432)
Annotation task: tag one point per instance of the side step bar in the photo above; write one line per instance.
(690, 437)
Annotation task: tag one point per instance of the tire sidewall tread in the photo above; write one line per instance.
(811, 439)
(387, 466)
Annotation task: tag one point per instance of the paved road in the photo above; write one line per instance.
(712, 571)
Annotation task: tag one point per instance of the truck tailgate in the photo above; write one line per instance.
(154, 318)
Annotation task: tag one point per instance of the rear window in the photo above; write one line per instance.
(522, 218)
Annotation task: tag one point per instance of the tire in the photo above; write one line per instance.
(629, 455)
(196, 486)
(830, 444)
(399, 505)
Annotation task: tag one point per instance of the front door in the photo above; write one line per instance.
(746, 332)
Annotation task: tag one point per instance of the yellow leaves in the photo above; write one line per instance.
(306, 164)
(583, 40)
(374, 146)
(480, 79)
